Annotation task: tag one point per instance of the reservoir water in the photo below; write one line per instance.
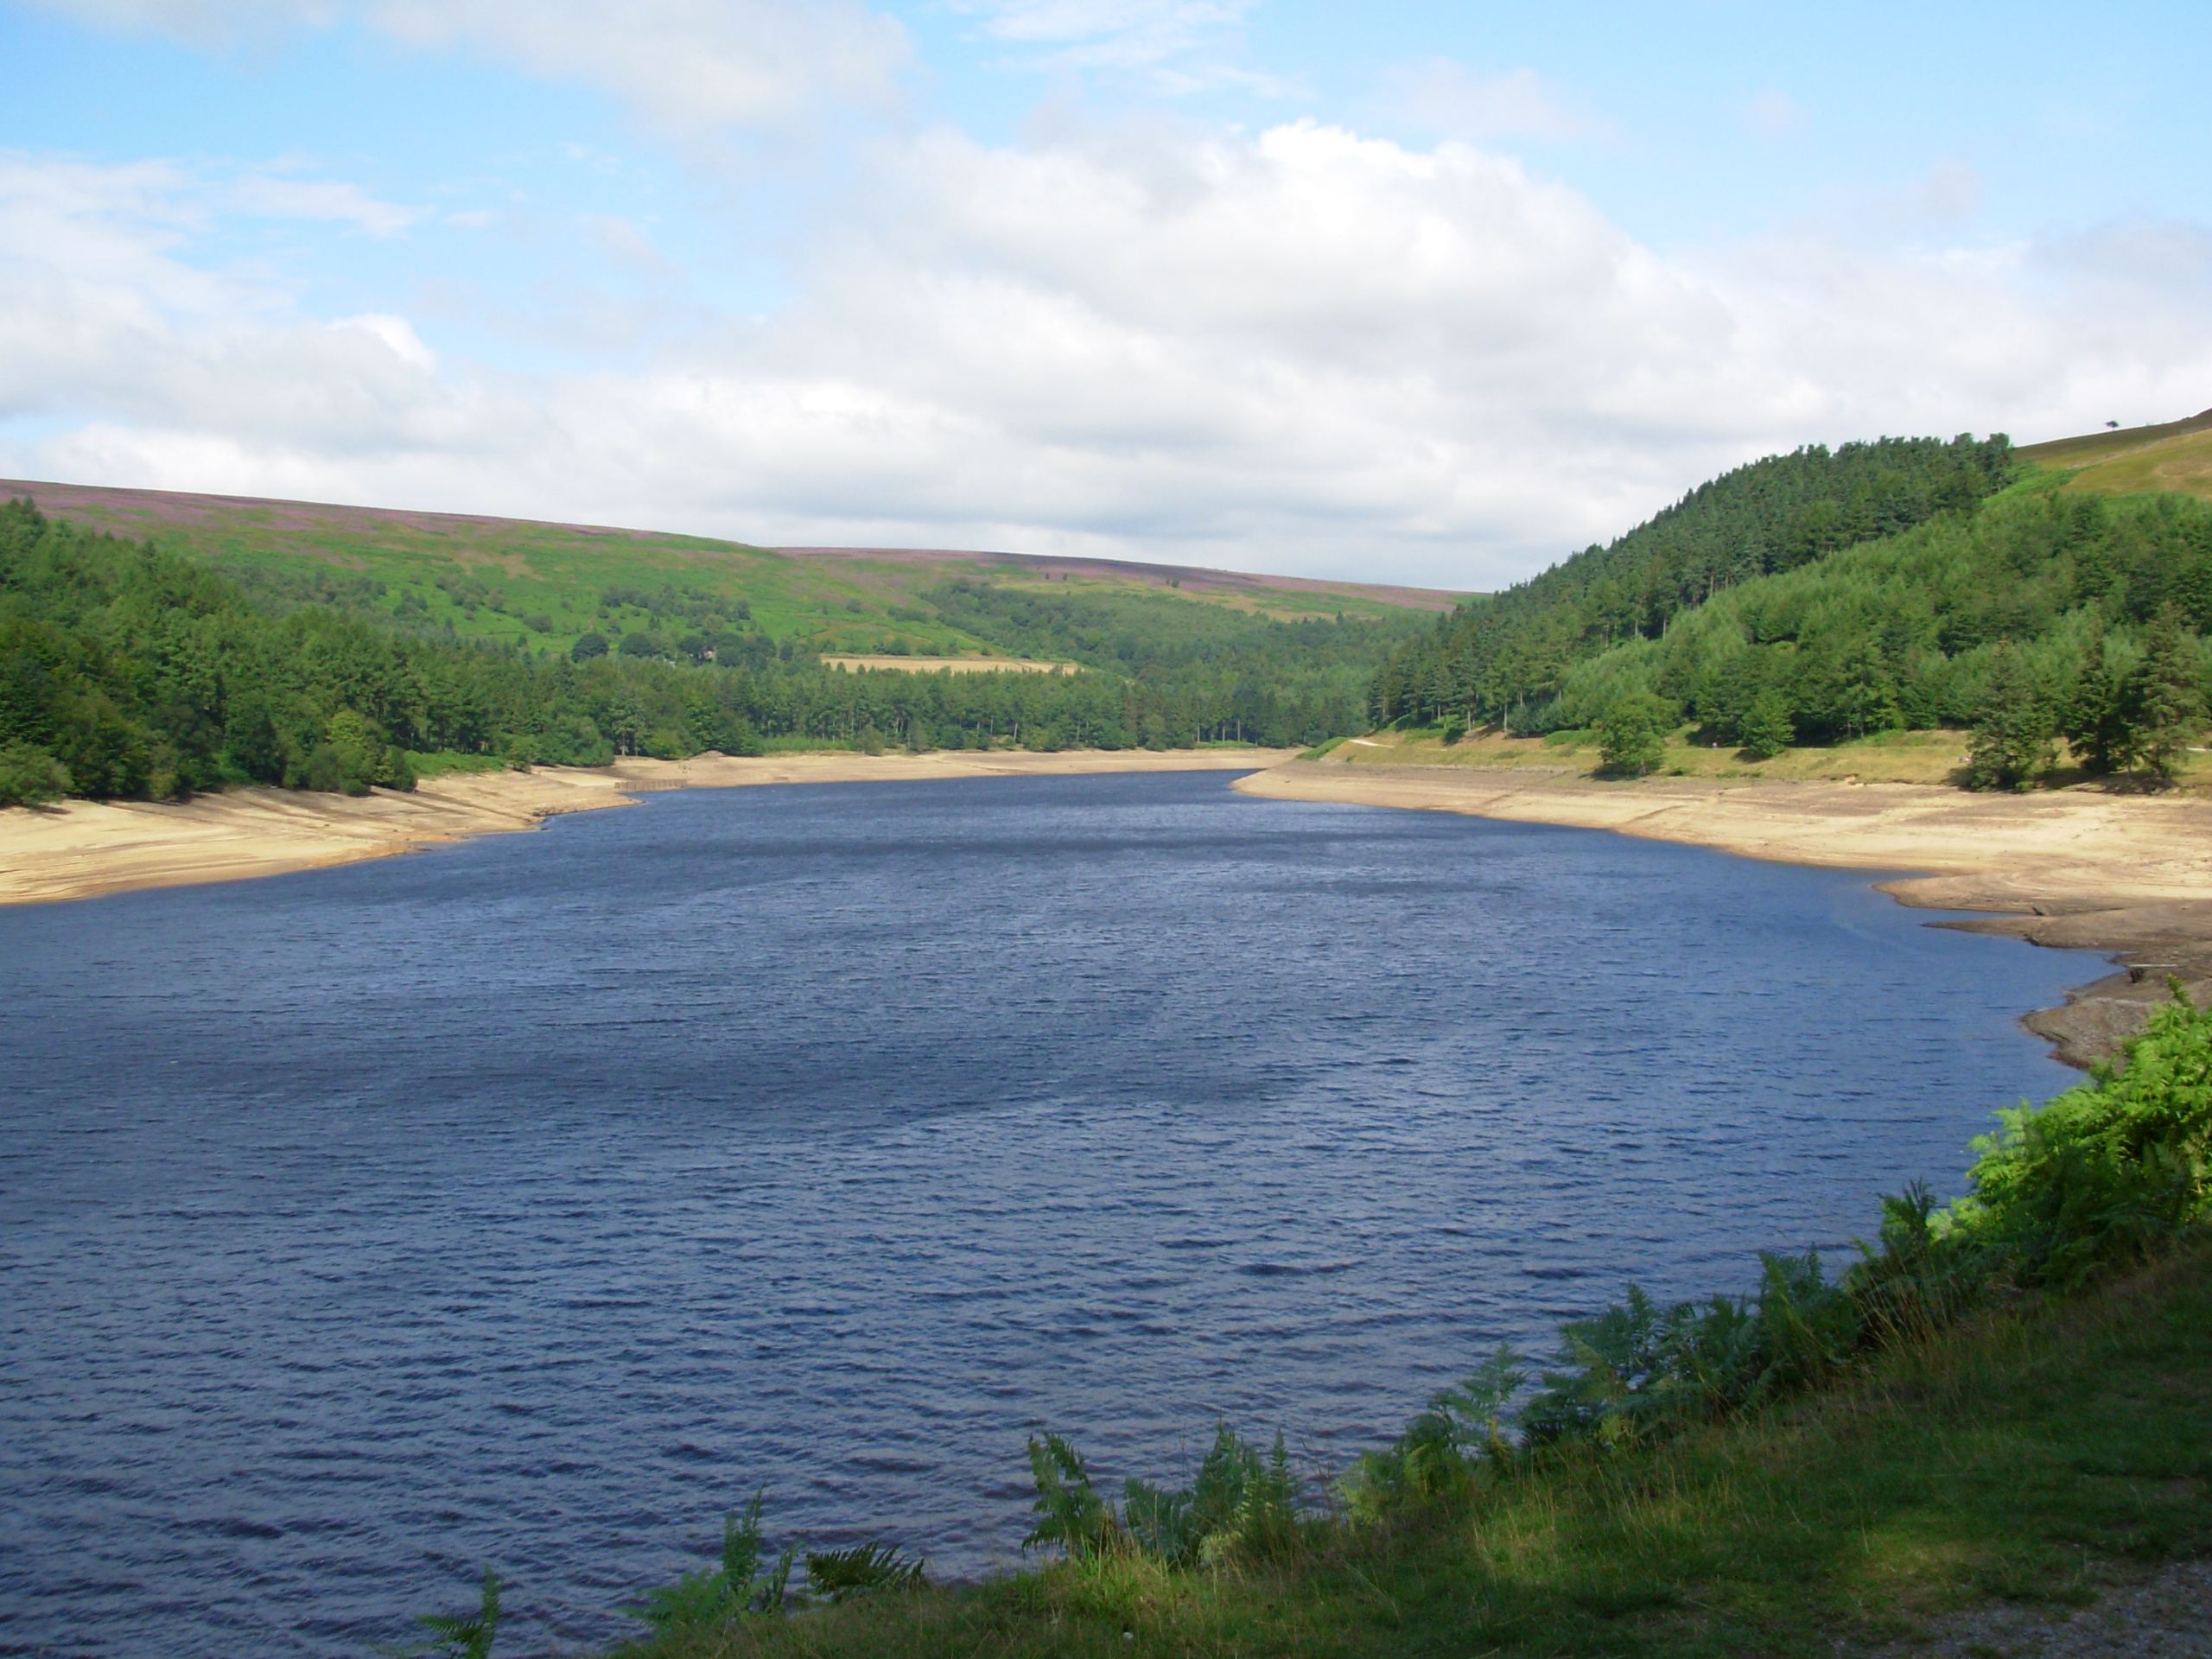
(532, 1201)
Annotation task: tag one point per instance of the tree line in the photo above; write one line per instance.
(129, 672)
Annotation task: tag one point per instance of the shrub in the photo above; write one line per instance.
(703, 1599)
(465, 1636)
(2108, 1171)
(1242, 1506)
(1632, 734)
(30, 776)
(1070, 1515)
(865, 1569)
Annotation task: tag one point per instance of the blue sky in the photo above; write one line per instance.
(1429, 293)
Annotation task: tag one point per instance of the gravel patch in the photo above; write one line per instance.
(2166, 1616)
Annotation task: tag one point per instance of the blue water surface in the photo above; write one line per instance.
(532, 1201)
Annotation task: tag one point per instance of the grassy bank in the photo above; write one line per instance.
(2039, 1454)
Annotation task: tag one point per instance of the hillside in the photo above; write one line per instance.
(334, 647)
(544, 586)
(316, 648)
(2174, 458)
(2030, 602)
(1491, 661)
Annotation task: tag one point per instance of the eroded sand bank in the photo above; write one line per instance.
(2127, 874)
(81, 848)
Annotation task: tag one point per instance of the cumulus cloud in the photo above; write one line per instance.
(1303, 349)
(687, 66)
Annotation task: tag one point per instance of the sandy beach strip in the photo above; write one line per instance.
(2127, 874)
(78, 849)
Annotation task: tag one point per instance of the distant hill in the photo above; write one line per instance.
(544, 586)
(2175, 457)
(155, 644)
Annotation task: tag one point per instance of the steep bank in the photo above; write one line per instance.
(82, 848)
(2078, 868)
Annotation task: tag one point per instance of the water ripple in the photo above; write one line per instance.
(533, 1201)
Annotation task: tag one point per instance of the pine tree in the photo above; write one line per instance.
(1766, 729)
(2099, 721)
(2012, 740)
(2169, 695)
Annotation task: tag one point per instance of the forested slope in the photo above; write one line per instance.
(126, 671)
(1493, 659)
(2028, 611)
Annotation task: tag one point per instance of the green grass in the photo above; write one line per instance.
(2181, 464)
(447, 762)
(2173, 458)
(2034, 1455)
(2095, 447)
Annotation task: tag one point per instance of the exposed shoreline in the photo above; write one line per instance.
(81, 849)
(2128, 875)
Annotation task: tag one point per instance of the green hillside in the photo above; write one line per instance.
(128, 670)
(2033, 603)
(1495, 660)
(541, 586)
(251, 641)
(2173, 459)
(2094, 448)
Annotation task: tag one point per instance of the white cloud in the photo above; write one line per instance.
(1304, 350)
(1451, 100)
(1122, 34)
(1169, 48)
(332, 201)
(687, 66)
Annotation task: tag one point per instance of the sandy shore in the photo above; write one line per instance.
(82, 848)
(2130, 875)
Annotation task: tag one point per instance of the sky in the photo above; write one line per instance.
(1416, 292)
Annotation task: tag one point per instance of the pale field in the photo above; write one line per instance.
(951, 664)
